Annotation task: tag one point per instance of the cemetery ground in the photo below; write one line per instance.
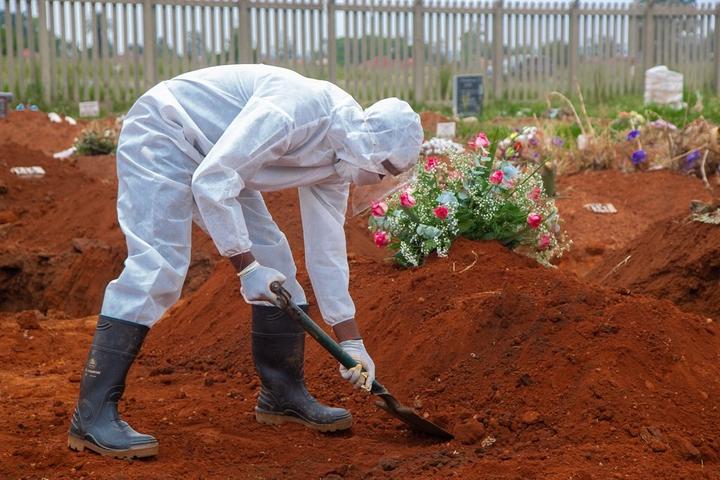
(605, 367)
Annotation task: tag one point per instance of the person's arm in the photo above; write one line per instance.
(260, 133)
(322, 208)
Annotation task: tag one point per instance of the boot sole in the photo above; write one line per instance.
(267, 418)
(79, 445)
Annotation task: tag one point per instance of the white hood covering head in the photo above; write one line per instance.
(387, 130)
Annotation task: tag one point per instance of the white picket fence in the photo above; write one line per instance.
(74, 50)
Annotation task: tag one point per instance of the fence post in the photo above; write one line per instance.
(574, 53)
(498, 48)
(716, 53)
(332, 41)
(149, 43)
(244, 33)
(44, 49)
(649, 38)
(418, 56)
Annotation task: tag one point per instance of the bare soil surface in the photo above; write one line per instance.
(540, 373)
(678, 260)
(641, 200)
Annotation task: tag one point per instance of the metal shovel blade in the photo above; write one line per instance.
(389, 404)
(408, 415)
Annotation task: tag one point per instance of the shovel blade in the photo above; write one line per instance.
(412, 418)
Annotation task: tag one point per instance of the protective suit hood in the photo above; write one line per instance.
(387, 130)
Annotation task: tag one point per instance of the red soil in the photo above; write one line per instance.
(572, 381)
(59, 234)
(34, 130)
(430, 120)
(641, 200)
(676, 260)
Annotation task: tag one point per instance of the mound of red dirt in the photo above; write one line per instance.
(35, 131)
(430, 120)
(675, 260)
(641, 199)
(498, 349)
(59, 239)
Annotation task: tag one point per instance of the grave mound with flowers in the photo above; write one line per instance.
(470, 194)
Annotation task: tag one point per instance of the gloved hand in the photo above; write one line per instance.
(356, 349)
(255, 283)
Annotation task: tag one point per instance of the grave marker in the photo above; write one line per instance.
(468, 95)
(28, 172)
(601, 207)
(5, 99)
(90, 109)
(445, 130)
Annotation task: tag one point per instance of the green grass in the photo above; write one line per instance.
(600, 113)
(114, 100)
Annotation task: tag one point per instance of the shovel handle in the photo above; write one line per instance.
(284, 303)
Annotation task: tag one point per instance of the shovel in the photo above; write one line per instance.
(389, 403)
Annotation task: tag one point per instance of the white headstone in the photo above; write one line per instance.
(90, 109)
(445, 130)
(664, 87)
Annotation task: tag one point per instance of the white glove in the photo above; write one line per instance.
(356, 349)
(255, 283)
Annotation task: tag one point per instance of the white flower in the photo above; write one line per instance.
(440, 146)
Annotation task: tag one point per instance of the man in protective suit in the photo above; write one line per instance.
(201, 147)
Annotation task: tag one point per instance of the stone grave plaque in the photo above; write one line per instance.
(468, 95)
(89, 109)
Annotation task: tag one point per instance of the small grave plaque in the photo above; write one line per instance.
(468, 94)
(28, 172)
(90, 109)
(446, 130)
(601, 207)
(5, 99)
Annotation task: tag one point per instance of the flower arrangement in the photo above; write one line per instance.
(469, 195)
(96, 140)
(525, 146)
(440, 146)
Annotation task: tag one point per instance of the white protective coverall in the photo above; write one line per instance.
(202, 147)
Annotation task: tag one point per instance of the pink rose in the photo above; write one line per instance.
(431, 163)
(407, 200)
(534, 220)
(543, 242)
(381, 238)
(497, 177)
(534, 194)
(379, 209)
(482, 140)
(441, 212)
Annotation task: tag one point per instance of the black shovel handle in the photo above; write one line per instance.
(284, 303)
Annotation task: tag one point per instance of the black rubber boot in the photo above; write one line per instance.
(96, 424)
(278, 346)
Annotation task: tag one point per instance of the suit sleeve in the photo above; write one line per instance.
(260, 133)
(322, 208)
